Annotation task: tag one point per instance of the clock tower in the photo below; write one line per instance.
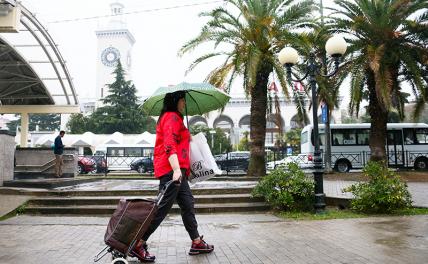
(114, 43)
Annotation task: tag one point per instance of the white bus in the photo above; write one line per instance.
(407, 145)
(120, 157)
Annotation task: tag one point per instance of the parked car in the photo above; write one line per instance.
(280, 163)
(305, 161)
(237, 160)
(86, 165)
(101, 163)
(142, 165)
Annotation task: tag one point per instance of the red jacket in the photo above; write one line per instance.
(172, 137)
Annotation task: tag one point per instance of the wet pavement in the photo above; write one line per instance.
(238, 238)
(104, 185)
(419, 190)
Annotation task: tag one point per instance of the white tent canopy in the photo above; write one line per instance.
(86, 139)
(45, 140)
(145, 138)
(115, 138)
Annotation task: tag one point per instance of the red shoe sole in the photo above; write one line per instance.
(193, 252)
(132, 254)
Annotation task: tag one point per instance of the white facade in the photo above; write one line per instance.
(235, 119)
(114, 43)
(90, 140)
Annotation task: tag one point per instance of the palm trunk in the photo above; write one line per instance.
(379, 119)
(258, 121)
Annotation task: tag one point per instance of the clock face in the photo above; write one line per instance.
(110, 56)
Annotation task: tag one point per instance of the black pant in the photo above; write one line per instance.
(183, 195)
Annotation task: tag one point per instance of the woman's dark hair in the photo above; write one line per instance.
(170, 102)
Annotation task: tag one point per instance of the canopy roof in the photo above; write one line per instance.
(32, 70)
(19, 84)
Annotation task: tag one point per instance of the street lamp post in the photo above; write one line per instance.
(212, 132)
(335, 47)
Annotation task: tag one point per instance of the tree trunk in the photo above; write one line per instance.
(258, 121)
(379, 119)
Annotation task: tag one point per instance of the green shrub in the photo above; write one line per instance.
(385, 192)
(287, 189)
(21, 209)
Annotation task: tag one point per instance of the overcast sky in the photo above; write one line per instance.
(160, 28)
(159, 34)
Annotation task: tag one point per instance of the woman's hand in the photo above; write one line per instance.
(176, 176)
(173, 160)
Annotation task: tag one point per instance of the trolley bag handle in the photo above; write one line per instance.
(165, 187)
(158, 201)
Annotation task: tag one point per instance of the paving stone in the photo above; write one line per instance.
(238, 238)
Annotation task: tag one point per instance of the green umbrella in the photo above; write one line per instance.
(200, 98)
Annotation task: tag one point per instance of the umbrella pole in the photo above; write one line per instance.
(187, 118)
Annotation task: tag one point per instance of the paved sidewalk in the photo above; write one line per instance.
(238, 238)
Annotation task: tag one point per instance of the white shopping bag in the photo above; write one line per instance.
(202, 163)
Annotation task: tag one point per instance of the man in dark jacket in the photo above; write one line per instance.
(58, 150)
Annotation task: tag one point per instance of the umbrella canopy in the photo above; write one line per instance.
(200, 98)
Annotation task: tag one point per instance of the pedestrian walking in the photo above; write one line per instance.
(58, 151)
(172, 162)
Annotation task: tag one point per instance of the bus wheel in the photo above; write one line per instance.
(421, 164)
(342, 166)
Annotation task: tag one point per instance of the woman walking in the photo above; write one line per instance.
(172, 162)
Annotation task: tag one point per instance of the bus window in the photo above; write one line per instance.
(409, 136)
(344, 137)
(321, 139)
(115, 151)
(337, 137)
(131, 151)
(421, 136)
(147, 152)
(394, 137)
(304, 137)
(363, 136)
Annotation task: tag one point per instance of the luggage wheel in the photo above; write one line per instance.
(119, 261)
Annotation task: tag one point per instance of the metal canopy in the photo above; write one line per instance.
(32, 70)
(19, 83)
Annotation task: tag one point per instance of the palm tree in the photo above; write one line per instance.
(255, 31)
(389, 48)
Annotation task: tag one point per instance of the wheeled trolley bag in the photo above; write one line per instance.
(129, 222)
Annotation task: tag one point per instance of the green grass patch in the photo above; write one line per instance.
(333, 213)
(6, 216)
(329, 213)
(18, 211)
(411, 211)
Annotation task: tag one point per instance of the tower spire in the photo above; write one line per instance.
(117, 20)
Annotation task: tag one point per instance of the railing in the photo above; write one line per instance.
(237, 165)
(105, 164)
(357, 160)
(399, 159)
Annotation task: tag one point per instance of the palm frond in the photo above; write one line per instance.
(203, 58)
